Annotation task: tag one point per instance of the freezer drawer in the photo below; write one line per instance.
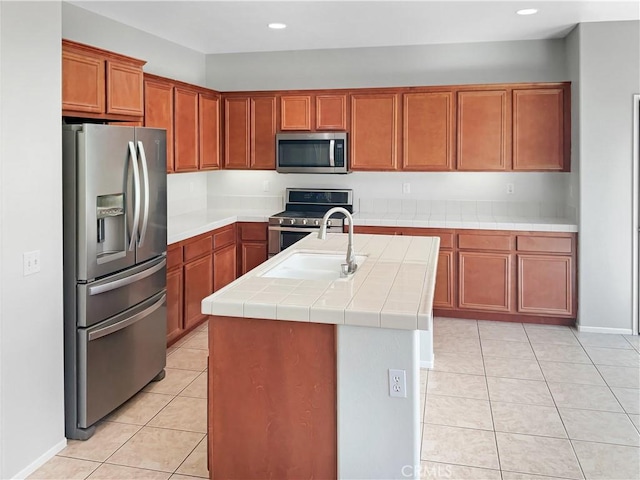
(118, 357)
(109, 296)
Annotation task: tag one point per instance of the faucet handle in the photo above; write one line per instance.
(344, 269)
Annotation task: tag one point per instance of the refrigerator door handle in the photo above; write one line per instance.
(98, 289)
(133, 157)
(103, 332)
(145, 179)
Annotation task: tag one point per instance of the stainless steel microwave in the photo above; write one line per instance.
(312, 152)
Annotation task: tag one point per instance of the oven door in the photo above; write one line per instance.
(283, 237)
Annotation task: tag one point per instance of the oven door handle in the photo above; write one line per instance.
(302, 230)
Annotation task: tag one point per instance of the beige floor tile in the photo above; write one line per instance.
(109, 436)
(525, 476)
(588, 397)
(629, 398)
(512, 368)
(634, 340)
(455, 363)
(436, 471)
(458, 412)
(527, 419)
(199, 341)
(614, 356)
(454, 327)
(107, 471)
(458, 345)
(423, 402)
(457, 385)
(519, 391)
(183, 413)
(626, 377)
(537, 455)
(197, 388)
(171, 349)
(635, 419)
(500, 348)
(156, 449)
(459, 446)
(173, 383)
(62, 467)
(196, 462)
(552, 337)
(140, 409)
(578, 373)
(177, 476)
(180, 342)
(606, 340)
(560, 353)
(595, 426)
(600, 461)
(505, 331)
(188, 359)
(203, 328)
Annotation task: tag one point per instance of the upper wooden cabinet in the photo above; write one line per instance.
(331, 112)
(541, 128)
(209, 131)
(483, 134)
(295, 112)
(97, 83)
(158, 111)
(428, 131)
(186, 130)
(249, 132)
(313, 112)
(374, 131)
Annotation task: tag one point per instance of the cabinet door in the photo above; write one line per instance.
(374, 131)
(124, 89)
(483, 141)
(428, 131)
(224, 266)
(198, 284)
(158, 112)
(538, 129)
(484, 281)
(237, 132)
(443, 296)
(209, 127)
(252, 254)
(545, 285)
(83, 83)
(295, 112)
(174, 303)
(186, 130)
(331, 112)
(263, 133)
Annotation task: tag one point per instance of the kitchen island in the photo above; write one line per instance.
(299, 362)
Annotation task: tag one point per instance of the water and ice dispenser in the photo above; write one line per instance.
(111, 228)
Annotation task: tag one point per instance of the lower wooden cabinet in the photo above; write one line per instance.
(545, 285)
(224, 266)
(443, 296)
(175, 285)
(198, 284)
(484, 281)
(252, 245)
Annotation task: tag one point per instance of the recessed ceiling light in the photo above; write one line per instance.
(527, 11)
(277, 26)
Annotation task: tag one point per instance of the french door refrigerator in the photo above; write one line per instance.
(115, 242)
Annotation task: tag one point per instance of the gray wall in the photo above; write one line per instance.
(31, 345)
(493, 62)
(609, 66)
(163, 57)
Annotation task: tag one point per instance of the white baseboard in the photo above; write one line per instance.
(618, 331)
(427, 363)
(41, 460)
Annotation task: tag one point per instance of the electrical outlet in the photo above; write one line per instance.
(406, 188)
(397, 383)
(266, 186)
(31, 262)
(510, 188)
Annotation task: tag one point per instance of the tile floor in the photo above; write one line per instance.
(505, 401)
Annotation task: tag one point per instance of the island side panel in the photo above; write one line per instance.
(272, 399)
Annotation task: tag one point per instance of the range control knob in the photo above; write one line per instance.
(281, 221)
(304, 221)
(292, 221)
(316, 222)
(328, 223)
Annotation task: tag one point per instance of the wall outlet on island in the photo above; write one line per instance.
(397, 383)
(510, 189)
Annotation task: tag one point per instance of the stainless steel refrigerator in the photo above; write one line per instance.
(115, 242)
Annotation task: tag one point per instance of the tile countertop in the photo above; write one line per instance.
(392, 288)
(187, 225)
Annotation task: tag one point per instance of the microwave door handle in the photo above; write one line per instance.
(133, 158)
(145, 179)
(332, 147)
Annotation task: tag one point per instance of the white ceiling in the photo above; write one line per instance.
(241, 26)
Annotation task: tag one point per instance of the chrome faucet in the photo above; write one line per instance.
(351, 265)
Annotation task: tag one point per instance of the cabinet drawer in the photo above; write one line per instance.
(256, 232)
(469, 241)
(446, 238)
(223, 237)
(174, 256)
(544, 244)
(197, 248)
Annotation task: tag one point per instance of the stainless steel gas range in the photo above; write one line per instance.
(304, 211)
